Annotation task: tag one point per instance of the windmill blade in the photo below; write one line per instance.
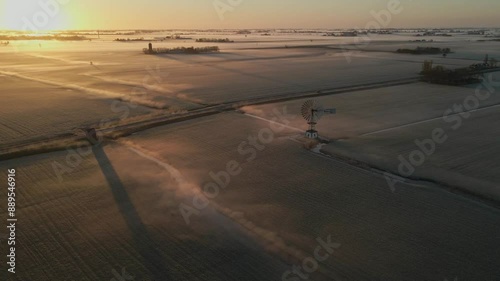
(307, 110)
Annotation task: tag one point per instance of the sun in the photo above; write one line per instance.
(34, 15)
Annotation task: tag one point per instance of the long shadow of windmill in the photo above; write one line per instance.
(144, 244)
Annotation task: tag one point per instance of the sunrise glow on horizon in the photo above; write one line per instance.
(224, 14)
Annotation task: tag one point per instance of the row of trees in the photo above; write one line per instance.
(465, 75)
(441, 75)
(128, 39)
(182, 50)
(214, 40)
(425, 50)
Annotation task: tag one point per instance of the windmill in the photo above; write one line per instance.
(312, 112)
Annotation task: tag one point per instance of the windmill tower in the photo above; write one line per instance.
(312, 112)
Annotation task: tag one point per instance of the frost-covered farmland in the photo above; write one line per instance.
(466, 153)
(237, 73)
(122, 206)
(119, 211)
(254, 66)
(368, 111)
(291, 196)
(377, 126)
(30, 110)
(75, 83)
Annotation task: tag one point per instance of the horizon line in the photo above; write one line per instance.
(261, 28)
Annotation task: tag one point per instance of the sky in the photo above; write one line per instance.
(238, 14)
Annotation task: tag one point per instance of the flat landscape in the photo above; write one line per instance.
(202, 170)
(467, 158)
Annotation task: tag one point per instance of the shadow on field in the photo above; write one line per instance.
(153, 259)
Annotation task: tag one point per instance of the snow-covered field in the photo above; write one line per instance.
(31, 109)
(92, 74)
(120, 208)
(89, 214)
(468, 156)
(118, 211)
(377, 126)
(254, 66)
(370, 111)
(292, 196)
(234, 74)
